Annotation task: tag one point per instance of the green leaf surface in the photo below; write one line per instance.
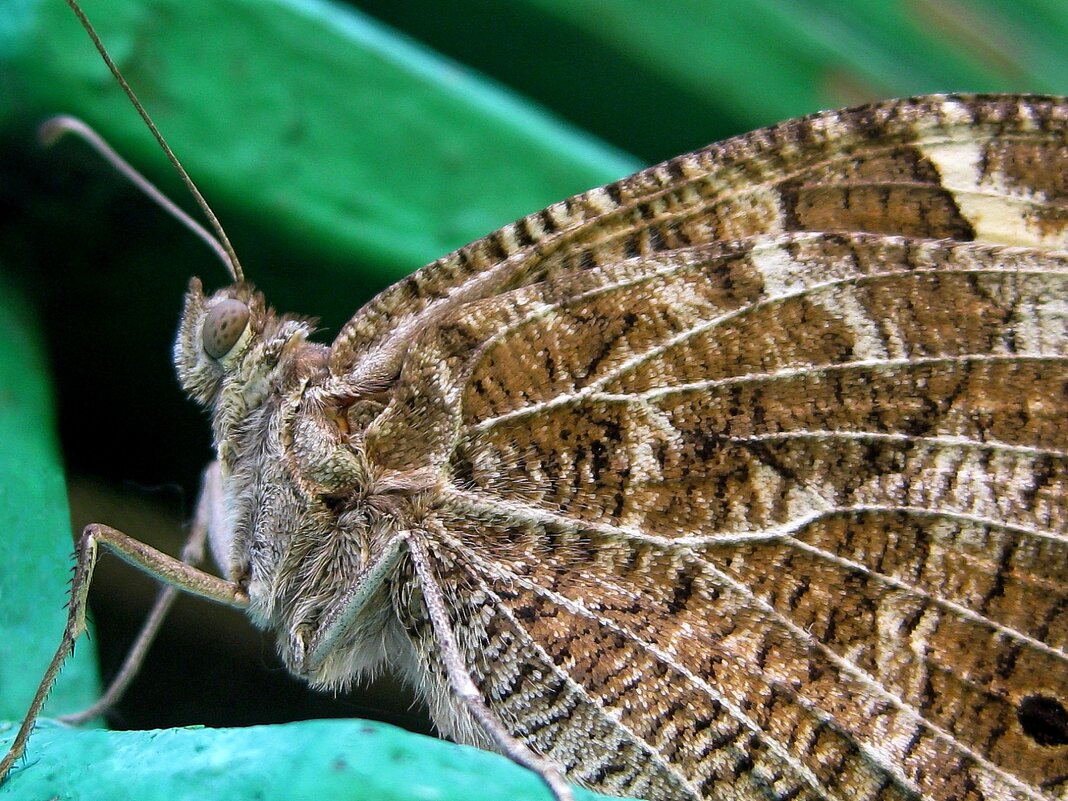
(311, 761)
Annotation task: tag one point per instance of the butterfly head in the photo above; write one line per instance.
(232, 343)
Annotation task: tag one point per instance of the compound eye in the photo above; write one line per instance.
(223, 327)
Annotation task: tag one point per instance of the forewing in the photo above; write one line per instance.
(989, 168)
(782, 517)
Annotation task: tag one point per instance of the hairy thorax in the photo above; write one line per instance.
(309, 528)
(312, 519)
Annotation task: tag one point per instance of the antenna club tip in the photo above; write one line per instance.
(55, 128)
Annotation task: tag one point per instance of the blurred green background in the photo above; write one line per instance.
(343, 148)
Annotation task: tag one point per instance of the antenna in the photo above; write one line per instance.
(231, 260)
(52, 129)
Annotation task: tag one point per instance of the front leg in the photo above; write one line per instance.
(166, 569)
(206, 520)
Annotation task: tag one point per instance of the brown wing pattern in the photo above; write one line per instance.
(773, 518)
(925, 167)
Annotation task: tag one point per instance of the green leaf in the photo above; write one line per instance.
(315, 760)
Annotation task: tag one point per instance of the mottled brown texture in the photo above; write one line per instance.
(745, 477)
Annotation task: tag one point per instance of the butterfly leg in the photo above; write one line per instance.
(164, 568)
(192, 554)
(464, 686)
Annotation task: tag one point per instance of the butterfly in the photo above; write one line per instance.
(742, 476)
